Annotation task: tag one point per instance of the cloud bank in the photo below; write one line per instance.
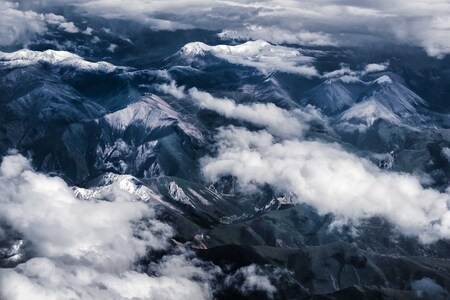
(277, 120)
(87, 249)
(328, 22)
(19, 26)
(419, 23)
(322, 175)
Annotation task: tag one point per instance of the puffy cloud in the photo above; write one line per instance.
(371, 68)
(88, 31)
(69, 27)
(251, 279)
(257, 54)
(43, 279)
(18, 26)
(53, 19)
(172, 89)
(87, 248)
(45, 210)
(278, 121)
(331, 180)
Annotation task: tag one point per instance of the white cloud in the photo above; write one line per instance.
(69, 27)
(257, 54)
(112, 48)
(44, 279)
(251, 279)
(47, 213)
(331, 180)
(371, 68)
(17, 26)
(419, 22)
(172, 89)
(53, 19)
(278, 121)
(348, 75)
(343, 71)
(88, 31)
(278, 36)
(87, 249)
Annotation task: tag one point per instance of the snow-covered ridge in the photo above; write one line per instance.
(368, 112)
(385, 99)
(109, 181)
(346, 79)
(383, 79)
(151, 112)
(250, 48)
(26, 57)
(394, 96)
(258, 54)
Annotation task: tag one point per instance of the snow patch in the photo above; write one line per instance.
(178, 194)
(383, 79)
(367, 112)
(26, 57)
(257, 54)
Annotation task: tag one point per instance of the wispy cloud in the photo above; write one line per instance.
(278, 121)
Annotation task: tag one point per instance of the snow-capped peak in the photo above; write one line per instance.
(151, 112)
(257, 54)
(195, 48)
(368, 112)
(345, 79)
(26, 57)
(249, 48)
(383, 79)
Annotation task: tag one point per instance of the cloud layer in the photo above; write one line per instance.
(420, 23)
(325, 23)
(19, 26)
(88, 248)
(322, 175)
(277, 120)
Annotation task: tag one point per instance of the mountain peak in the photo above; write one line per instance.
(385, 79)
(26, 57)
